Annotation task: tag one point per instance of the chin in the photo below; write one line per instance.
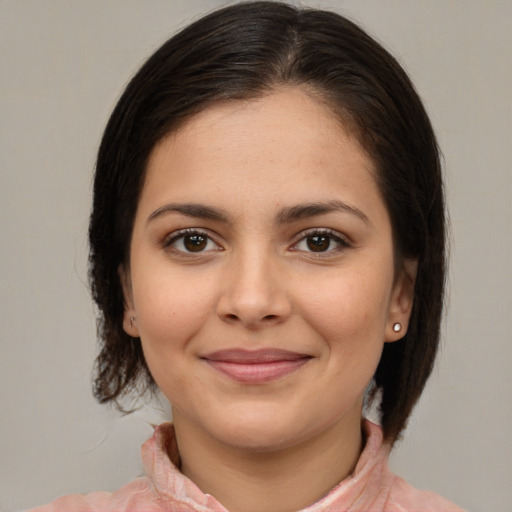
(260, 433)
(257, 440)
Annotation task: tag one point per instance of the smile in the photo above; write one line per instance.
(256, 367)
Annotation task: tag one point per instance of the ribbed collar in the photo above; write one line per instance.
(366, 487)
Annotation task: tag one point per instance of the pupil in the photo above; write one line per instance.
(194, 243)
(318, 243)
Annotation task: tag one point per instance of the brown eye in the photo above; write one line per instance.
(322, 242)
(318, 243)
(195, 243)
(191, 241)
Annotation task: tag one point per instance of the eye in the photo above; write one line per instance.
(191, 241)
(321, 241)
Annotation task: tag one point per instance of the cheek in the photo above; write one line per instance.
(355, 305)
(170, 308)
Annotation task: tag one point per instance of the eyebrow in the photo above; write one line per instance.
(199, 211)
(303, 211)
(285, 216)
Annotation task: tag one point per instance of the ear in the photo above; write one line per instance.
(129, 316)
(401, 302)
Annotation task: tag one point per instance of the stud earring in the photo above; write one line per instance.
(397, 327)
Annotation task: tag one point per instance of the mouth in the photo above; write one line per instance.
(256, 366)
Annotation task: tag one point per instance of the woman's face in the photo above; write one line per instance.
(261, 273)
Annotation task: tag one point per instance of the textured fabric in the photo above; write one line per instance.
(371, 488)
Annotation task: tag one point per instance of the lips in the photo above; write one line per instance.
(258, 366)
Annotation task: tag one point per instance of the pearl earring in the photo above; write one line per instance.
(397, 327)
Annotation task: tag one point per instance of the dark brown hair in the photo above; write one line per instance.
(242, 52)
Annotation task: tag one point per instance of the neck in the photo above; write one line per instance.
(277, 481)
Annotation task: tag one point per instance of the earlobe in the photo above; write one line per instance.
(402, 300)
(130, 325)
(129, 317)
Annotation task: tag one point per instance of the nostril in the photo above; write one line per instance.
(266, 318)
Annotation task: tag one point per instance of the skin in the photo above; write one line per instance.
(256, 284)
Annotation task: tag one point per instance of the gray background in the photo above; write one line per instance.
(63, 64)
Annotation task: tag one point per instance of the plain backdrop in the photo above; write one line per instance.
(63, 64)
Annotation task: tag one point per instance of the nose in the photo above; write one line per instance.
(254, 292)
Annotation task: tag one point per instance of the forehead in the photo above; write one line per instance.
(286, 145)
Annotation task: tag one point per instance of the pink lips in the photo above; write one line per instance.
(257, 366)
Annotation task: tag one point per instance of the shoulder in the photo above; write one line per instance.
(163, 488)
(403, 497)
(137, 495)
(388, 492)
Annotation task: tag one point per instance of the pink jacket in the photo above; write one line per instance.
(371, 488)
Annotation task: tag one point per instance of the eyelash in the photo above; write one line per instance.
(332, 236)
(182, 233)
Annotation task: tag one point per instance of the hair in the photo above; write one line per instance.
(243, 52)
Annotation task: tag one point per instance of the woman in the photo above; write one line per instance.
(267, 249)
